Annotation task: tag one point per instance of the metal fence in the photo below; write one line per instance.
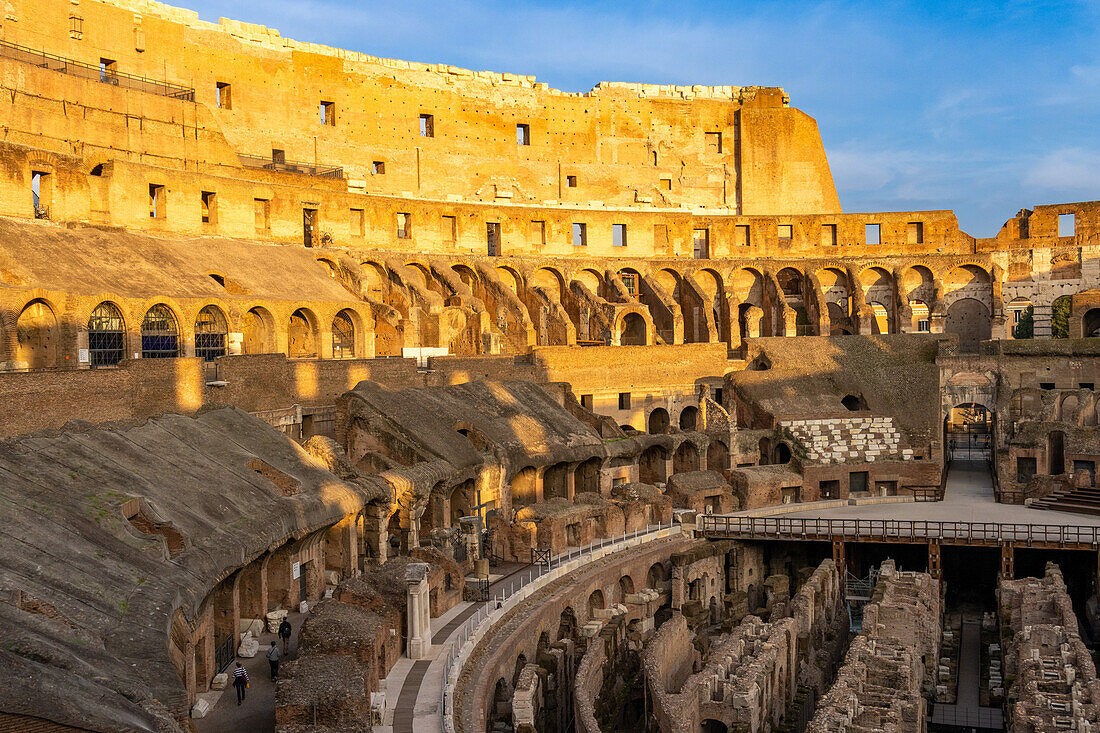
(897, 530)
(95, 73)
(288, 166)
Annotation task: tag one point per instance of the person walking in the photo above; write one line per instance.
(285, 630)
(273, 660)
(240, 681)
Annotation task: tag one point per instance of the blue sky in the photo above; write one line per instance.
(980, 107)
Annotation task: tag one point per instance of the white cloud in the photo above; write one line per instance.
(1068, 170)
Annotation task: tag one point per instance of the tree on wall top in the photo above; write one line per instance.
(1025, 329)
(1059, 317)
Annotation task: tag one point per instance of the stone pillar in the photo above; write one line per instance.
(412, 537)
(1008, 561)
(418, 611)
(840, 562)
(375, 534)
(570, 482)
(935, 565)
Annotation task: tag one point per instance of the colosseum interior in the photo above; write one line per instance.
(530, 411)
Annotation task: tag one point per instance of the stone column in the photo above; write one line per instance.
(418, 611)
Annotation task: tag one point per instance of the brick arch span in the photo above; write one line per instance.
(519, 631)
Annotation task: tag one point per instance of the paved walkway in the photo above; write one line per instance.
(257, 713)
(967, 710)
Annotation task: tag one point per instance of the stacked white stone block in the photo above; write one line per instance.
(849, 440)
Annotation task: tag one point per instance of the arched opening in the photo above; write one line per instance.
(595, 603)
(567, 624)
(838, 319)
(969, 319)
(658, 421)
(765, 449)
(626, 588)
(652, 464)
(586, 479)
(211, 331)
(461, 502)
(501, 715)
(36, 333)
(548, 280)
(921, 321)
(258, 332)
(689, 418)
(782, 453)
(633, 333)
(718, 456)
(880, 320)
(343, 336)
(713, 726)
(1056, 452)
(968, 429)
(686, 458)
(555, 481)
(159, 333)
(302, 336)
(852, 403)
(790, 282)
(657, 575)
(1090, 323)
(106, 335)
(525, 487)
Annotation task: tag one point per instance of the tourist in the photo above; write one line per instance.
(240, 681)
(285, 630)
(273, 660)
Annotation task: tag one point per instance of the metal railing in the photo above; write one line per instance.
(286, 166)
(95, 73)
(896, 530)
(500, 601)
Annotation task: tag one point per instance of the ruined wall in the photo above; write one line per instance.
(1049, 673)
(888, 670)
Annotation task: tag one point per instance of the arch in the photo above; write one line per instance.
(417, 273)
(258, 331)
(106, 335)
(657, 575)
(509, 277)
(748, 284)
(782, 453)
(880, 319)
(1090, 323)
(713, 726)
(876, 277)
(586, 477)
(658, 421)
(524, 487)
(634, 331)
(686, 458)
(652, 465)
(595, 603)
(555, 481)
(343, 335)
(302, 335)
(211, 332)
(374, 279)
(852, 403)
(689, 418)
(549, 280)
(718, 456)
(969, 319)
(626, 588)
(918, 282)
(461, 501)
(567, 624)
(466, 275)
(790, 282)
(669, 280)
(159, 333)
(839, 324)
(591, 280)
(36, 336)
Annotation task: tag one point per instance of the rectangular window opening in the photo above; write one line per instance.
(1046, 385)
(1086, 385)
(41, 194)
(427, 125)
(310, 227)
(924, 325)
(378, 168)
(404, 226)
(537, 233)
(492, 238)
(718, 395)
(586, 401)
(744, 237)
(1026, 467)
(571, 181)
(828, 235)
(786, 231)
(580, 235)
(618, 235)
(916, 232)
(872, 234)
(156, 201)
(624, 400)
(713, 142)
(223, 95)
(1067, 225)
(666, 184)
(357, 222)
(263, 214)
(700, 240)
(630, 282)
(209, 207)
(108, 71)
(278, 157)
(449, 228)
(328, 113)
(523, 134)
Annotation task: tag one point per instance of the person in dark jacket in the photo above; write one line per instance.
(240, 681)
(273, 660)
(285, 630)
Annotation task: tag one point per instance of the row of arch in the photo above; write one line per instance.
(160, 334)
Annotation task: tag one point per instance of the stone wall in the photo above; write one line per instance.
(1049, 673)
(889, 668)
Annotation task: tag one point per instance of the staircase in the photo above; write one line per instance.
(1082, 500)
